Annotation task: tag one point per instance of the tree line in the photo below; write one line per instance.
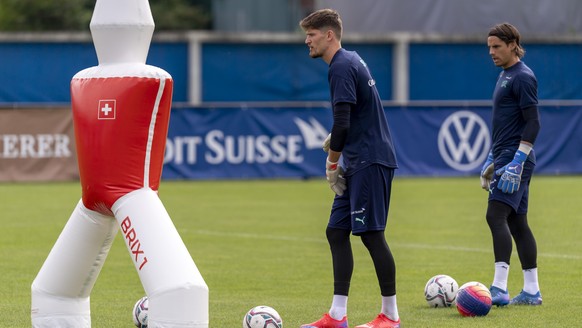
(75, 15)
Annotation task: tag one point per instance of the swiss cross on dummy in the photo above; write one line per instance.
(106, 110)
(120, 155)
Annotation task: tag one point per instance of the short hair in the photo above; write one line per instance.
(323, 18)
(508, 33)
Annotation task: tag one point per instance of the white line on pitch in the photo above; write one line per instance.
(481, 250)
(404, 245)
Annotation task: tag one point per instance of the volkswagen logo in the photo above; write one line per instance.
(464, 141)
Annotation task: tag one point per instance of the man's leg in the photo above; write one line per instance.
(497, 216)
(343, 266)
(527, 250)
(385, 267)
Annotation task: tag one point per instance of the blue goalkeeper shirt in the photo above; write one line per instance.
(368, 140)
(516, 90)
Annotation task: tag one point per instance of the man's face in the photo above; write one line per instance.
(316, 41)
(501, 53)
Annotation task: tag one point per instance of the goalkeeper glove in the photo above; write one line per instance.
(334, 174)
(487, 172)
(325, 145)
(511, 173)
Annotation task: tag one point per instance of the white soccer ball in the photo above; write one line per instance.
(262, 317)
(441, 291)
(140, 313)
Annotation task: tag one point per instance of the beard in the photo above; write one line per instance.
(314, 54)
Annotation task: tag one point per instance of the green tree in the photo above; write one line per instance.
(34, 15)
(181, 14)
(75, 15)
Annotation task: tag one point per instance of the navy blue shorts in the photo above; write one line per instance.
(519, 199)
(364, 205)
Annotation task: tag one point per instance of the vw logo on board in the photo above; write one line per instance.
(464, 141)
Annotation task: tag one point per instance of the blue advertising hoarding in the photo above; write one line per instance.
(250, 143)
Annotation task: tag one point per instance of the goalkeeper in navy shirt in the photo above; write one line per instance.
(359, 168)
(508, 170)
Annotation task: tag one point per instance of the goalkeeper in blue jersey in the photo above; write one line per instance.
(508, 170)
(361, 178)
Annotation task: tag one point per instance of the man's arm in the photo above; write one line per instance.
(511, 173)
(339, 133)
(532, 124)
(340, 128)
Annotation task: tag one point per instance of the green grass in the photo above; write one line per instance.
(262, 242)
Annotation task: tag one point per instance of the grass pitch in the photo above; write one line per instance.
(263, 243)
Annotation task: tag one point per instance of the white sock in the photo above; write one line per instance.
(339, 307)
(389, 307)
(530, 281)
(501, 274)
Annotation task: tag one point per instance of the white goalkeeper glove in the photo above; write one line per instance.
(325, 145)
(335, 178)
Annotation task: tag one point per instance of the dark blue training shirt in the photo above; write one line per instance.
(516, 90)
(368, 140)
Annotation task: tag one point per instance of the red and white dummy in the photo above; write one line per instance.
(121, 111)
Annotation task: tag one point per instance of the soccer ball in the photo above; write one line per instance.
(472, 283)
(474, 300)
(140, 313)
(262, 317)
(441, 291)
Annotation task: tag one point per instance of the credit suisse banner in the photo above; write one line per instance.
(248, 143)
(37, 144)
(254, 143)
